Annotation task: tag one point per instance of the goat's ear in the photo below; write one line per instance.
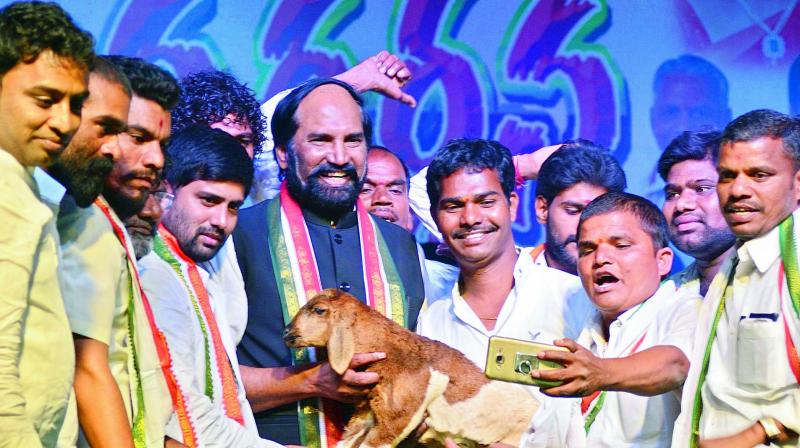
(340, 348)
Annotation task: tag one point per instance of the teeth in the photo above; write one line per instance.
(337, 174)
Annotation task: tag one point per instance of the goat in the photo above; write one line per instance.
(420, 380)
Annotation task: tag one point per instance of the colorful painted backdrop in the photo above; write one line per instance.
(524, 72)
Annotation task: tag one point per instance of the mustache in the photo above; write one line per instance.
(461, 233)
(326, 168)
(146, 173)
(216, 231)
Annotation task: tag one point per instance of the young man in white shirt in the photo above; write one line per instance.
(744, 385)
(632, 355)
(209, 174)
(694, 219)
(500, 290)
(45, 61)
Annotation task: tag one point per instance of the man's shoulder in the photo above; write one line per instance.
(395, 235)
(253, 216)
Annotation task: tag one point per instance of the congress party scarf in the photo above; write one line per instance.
(143, 306)
(298, 281)
(165, 245)
(789, 270)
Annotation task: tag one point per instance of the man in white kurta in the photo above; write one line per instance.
(743, 388)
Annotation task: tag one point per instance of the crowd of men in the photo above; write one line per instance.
(156, 236)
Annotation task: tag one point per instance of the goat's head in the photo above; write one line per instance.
(326, 321)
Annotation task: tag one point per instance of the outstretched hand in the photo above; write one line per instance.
(354, 384)
(582, 374)
(384, 73)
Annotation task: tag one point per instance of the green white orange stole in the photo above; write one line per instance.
(139, 311)
(166, 247)
(297, 278)
(788, 272)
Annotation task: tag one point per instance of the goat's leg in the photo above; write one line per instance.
(362, 420)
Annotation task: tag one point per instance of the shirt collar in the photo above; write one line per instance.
(764, 250)
(665, 290)
(49, 188)
(11, 165)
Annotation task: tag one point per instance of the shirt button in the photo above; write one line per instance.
(337, 238)
(344, 286)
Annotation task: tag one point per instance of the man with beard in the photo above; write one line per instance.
(43, 69)
(121, 392)
(694, 219)
(321, 137)
(209, 174)
(569, 179)
(142, 226)
(743, 387)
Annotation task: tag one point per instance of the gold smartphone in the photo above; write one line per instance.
(513, 360)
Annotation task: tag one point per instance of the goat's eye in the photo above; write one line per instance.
(318, 310)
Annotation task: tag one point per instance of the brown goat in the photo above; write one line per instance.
(420, 380)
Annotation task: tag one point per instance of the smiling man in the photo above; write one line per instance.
(209, 174)
(632, 353)
(694, 219)
(501, 291)
(43, 66)
(744, 385)
(321, 136)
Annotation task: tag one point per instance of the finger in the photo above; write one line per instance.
(565, 390)
(389, 66)
(403, 75)
(354, 378)
(380, 57)
(556, 356)
(448, 443)
(567, 343)
(550, 375)
(362, 359)
(407, 99)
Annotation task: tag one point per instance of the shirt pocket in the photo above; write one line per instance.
(761, 354)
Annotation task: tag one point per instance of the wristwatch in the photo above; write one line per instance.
(770, 428)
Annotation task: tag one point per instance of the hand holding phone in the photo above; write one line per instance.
(513, 360)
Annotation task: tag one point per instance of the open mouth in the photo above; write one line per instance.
(604, 281)
(385, 214)
(739, 213)
(335, 177)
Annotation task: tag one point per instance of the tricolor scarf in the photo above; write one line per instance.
(298, 281)
(790, 273)
(139, 308)
(166, 247)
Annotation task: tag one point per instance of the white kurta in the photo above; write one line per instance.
(176, 317)
(749, 375)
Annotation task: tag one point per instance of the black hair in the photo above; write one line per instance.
(766, 123)
(29, 28)
(399, 159)
(198, 152)
(473, 155)
(210, 96)
(695, 67)
(575, 162)
(148, 81)
(108, 71)
(689, 145)
(650, 217)
(284, 121)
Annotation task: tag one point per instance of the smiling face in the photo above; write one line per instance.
(560, 218)
(90, 156)
(203, 215)
(617, 262)
(759, 186)
(694, 219)
(141, 157)
(385, 193)
(327, 161)
(475, 217)
(40, 106)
